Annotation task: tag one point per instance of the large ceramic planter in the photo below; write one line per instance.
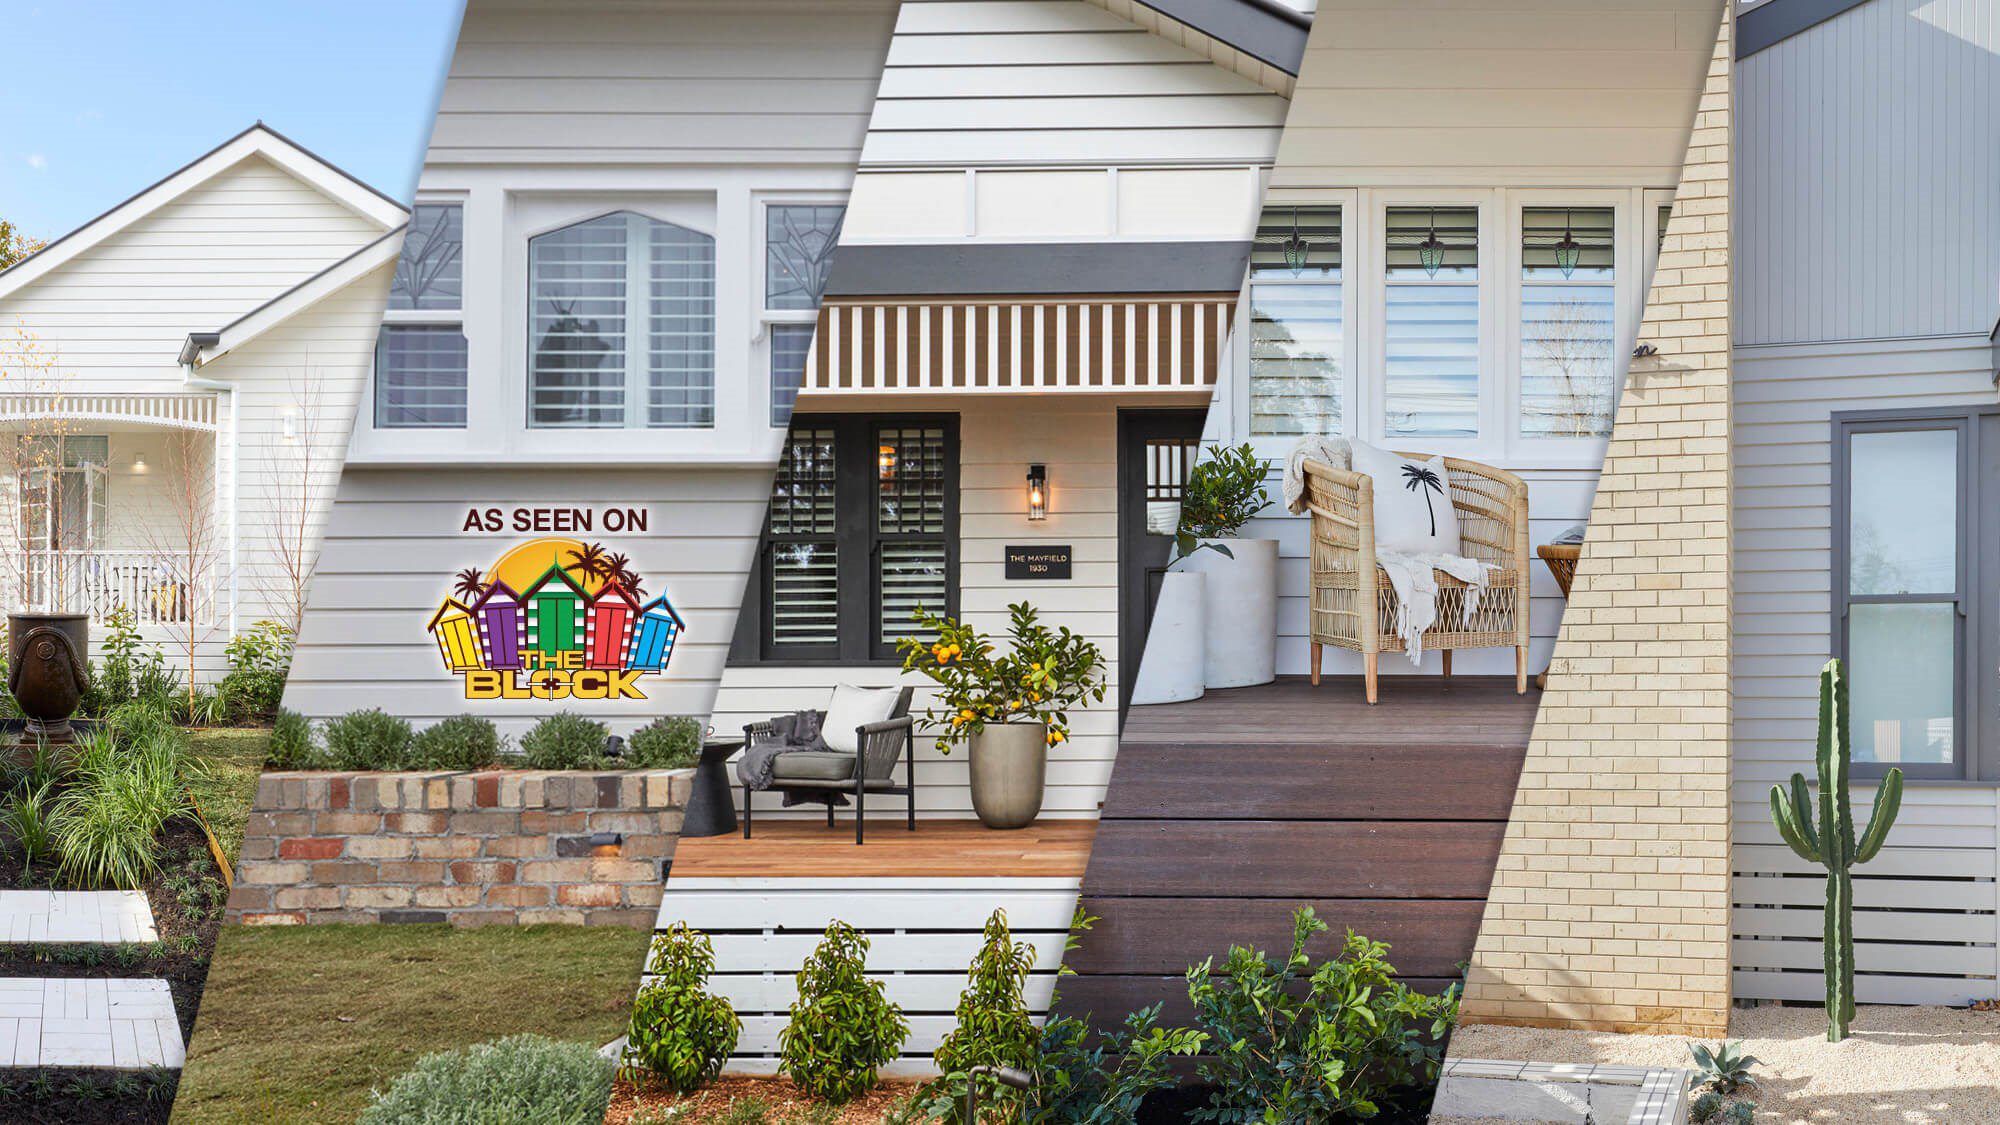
(1171, 670)
(1241, 600)
(1010, 763)
(48, 669)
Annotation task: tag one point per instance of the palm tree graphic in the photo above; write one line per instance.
(1420, 478)
(590, 561)
(469, 583)
(618, 569)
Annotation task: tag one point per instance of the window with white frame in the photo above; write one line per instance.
(799, 240)
(621, 325)
(1430, 337)
(1297, 323)
(420, 355)
(1569, 321)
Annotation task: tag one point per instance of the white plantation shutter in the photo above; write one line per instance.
(1297, 332)
(910, 526)
(1569, 322)
(804, 610)
(1431, 340)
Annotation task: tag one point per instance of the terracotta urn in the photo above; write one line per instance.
(48, 670)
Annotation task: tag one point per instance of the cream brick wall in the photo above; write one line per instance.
(1610, 906)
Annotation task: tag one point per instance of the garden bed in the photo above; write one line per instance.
(1912, 1066)
(734, 1100)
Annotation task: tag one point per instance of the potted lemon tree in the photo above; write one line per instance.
(1008, 708)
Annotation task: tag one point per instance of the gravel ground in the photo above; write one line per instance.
(1907, 1066)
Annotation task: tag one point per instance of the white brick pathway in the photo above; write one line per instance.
(80, 916)
(88, 1022)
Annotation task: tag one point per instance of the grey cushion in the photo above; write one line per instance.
(813, 765)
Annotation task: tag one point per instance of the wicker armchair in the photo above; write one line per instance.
(1354, 607)
(873, 770)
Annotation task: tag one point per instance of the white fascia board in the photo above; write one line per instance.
(258, 140)
(203, 348)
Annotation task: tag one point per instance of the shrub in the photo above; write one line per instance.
(203, 708)
(28, 820)
(292, 746)
(138, 720)
(994, 1025)
(670, 743)
(1296, 1047)
(1088, 1079)
(520, 1079)
(681, 1033)
(258, 661)
(154, 683)
(564, 741)
(121, 653)
(1222, 494)
(107, 822)
(367, 740)
(842, 1028)
(463, 742)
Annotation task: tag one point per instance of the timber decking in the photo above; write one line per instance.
(1224, 814)
(941, 849)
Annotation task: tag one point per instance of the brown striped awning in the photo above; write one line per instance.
(1047, 344)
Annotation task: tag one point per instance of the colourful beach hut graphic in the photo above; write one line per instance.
(502, 630)
(653, 638)
(608, 626)
(457, 639)
(555, 618)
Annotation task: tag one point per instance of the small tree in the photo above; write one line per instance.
(15, 246)
(843, 1028)
(302, 468)
(994, 1025)
(185, 601)
(681, 1033)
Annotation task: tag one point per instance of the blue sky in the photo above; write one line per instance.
(101, 98)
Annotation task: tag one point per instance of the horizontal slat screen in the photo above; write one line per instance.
(1040, 345)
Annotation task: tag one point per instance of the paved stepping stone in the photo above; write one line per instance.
(76, 916)
(48, 1021)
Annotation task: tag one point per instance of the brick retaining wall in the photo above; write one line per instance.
(473, 849)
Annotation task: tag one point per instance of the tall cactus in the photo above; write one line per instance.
(1832, 842)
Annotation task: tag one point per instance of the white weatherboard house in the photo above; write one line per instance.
(1041, 257)
(619, 235)
(180, 374)
(1866, 480)
(1499, 350)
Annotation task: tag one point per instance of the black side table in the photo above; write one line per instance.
(711, 810)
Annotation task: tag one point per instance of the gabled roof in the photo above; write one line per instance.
(556, 572)
(616, 589)
(445, 609)
(494, 590)
(258, 140)
(203, 348)
(1263, 29)
(661, 602)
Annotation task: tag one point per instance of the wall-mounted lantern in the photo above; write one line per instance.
(1038, 492)
(1569, 251)
(139, 463)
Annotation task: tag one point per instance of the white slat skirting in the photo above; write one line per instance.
(1040, 344)
(923, 934)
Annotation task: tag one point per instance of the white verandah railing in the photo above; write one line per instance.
(152, 584)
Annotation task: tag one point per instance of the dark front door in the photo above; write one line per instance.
(1155, 450)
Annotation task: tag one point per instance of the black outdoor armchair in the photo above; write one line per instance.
(871, 770)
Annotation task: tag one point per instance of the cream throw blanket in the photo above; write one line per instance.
(1413, 576)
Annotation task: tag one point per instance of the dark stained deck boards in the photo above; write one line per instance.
(1224, 814)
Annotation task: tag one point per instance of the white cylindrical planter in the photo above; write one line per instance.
(1171, 670)
(1242, 611)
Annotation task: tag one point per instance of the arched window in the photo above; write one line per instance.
(621, 325)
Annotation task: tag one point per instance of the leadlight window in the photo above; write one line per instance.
(1431, 323)
(622, 325)
(862, 530)
(1297, 329)
(799, 241)
(420, 355)
(1569, 321)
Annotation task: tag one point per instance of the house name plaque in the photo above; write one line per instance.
(1039, 560)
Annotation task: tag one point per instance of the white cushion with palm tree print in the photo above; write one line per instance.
(1413, 509)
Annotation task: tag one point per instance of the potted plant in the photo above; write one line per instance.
(48, 670)
(1008, 708)
(1240, 596)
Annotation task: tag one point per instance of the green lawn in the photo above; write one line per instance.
(299, 1023)
(232, 758)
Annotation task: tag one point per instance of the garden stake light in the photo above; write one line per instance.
(1005, 1075)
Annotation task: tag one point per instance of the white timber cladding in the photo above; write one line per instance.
(1063, 83)
(1077, 439)
(1860, 288)
(701, 114)
(922, 932)
(1486, 92)
(1076, 345)
(96, 327)
(1076, 204)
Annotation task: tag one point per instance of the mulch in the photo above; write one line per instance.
(781, 1098)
